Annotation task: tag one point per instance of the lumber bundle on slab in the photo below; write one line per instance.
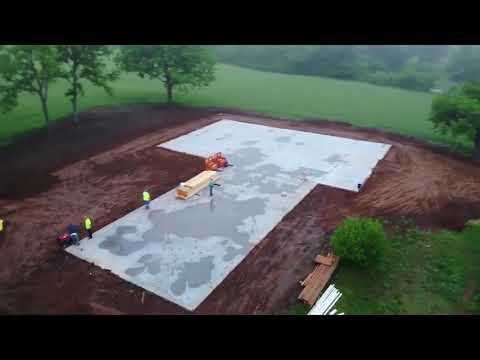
(195, 184)
(316, 281)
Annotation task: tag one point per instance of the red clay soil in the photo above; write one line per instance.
(101, 167)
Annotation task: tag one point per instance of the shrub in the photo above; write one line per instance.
(360, 240)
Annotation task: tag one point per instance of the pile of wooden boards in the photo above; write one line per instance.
(195, 184)
(316, 281)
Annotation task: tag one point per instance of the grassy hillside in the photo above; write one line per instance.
(275, 94)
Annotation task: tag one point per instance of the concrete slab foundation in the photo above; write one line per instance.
(181, 250)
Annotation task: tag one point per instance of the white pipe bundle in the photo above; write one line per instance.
(326, 302)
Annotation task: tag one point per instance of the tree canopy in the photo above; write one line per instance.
(458, 113)
(177, 66)
(464, 64)
(27, 69)
(85, 62)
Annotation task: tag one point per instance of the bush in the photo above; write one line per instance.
(360, 240)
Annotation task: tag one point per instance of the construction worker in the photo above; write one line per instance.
(73, 229)
(88, 227)
(2, 228)
(146, 199)
(211, 184)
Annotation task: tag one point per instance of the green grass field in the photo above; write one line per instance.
(274, 94)
(423, 273)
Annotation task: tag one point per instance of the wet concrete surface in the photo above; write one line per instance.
(181, 250)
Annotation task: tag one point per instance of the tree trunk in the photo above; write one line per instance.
(45, 111)
(476, 150)
(76, 120)
(44, 98)
(169, 93)
(168, 84)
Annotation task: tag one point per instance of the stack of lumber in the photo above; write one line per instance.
(326, 302)
(195, 184)
(316, 281)
(473, 222)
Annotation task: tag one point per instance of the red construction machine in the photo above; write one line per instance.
(216, 162)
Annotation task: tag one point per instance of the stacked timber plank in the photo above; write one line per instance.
(316, 281)
(195, 184)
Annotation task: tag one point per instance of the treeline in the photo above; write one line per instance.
(32, 69)
(415, 67)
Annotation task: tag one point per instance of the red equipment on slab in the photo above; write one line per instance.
(216, 162)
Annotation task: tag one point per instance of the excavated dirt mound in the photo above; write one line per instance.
(101, 168)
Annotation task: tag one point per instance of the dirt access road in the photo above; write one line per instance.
(101, 168)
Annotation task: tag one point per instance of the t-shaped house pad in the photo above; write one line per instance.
(182, 249)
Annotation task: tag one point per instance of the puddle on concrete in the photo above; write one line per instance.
(310, 173)
(247, 156)
(233, 251)
(263, 177)
(283, 139)
(155, 267)
(225, 136)
(145, 258)
(193, 274)
(201, 222)
(274, 187)
(117, 244)
(336, 159)
(135, 271)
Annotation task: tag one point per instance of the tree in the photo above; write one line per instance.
(431, 53)
(393, 56)
(464, 64)
(337, 61)
(458, 112)
(177, 66)
(85, 62)
(27, 69)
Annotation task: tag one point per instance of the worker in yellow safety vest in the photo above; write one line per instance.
(2, 228)
(88, 227)
(146, 199)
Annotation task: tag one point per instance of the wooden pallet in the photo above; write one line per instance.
(195, 184)
(316, 281)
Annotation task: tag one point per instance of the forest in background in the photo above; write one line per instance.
(413, 67)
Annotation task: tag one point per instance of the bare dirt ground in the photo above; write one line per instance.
(101, 168)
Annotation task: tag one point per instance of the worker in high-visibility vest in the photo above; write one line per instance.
(211, 184)
(2, 228)
(146, 199)
(88, 227)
